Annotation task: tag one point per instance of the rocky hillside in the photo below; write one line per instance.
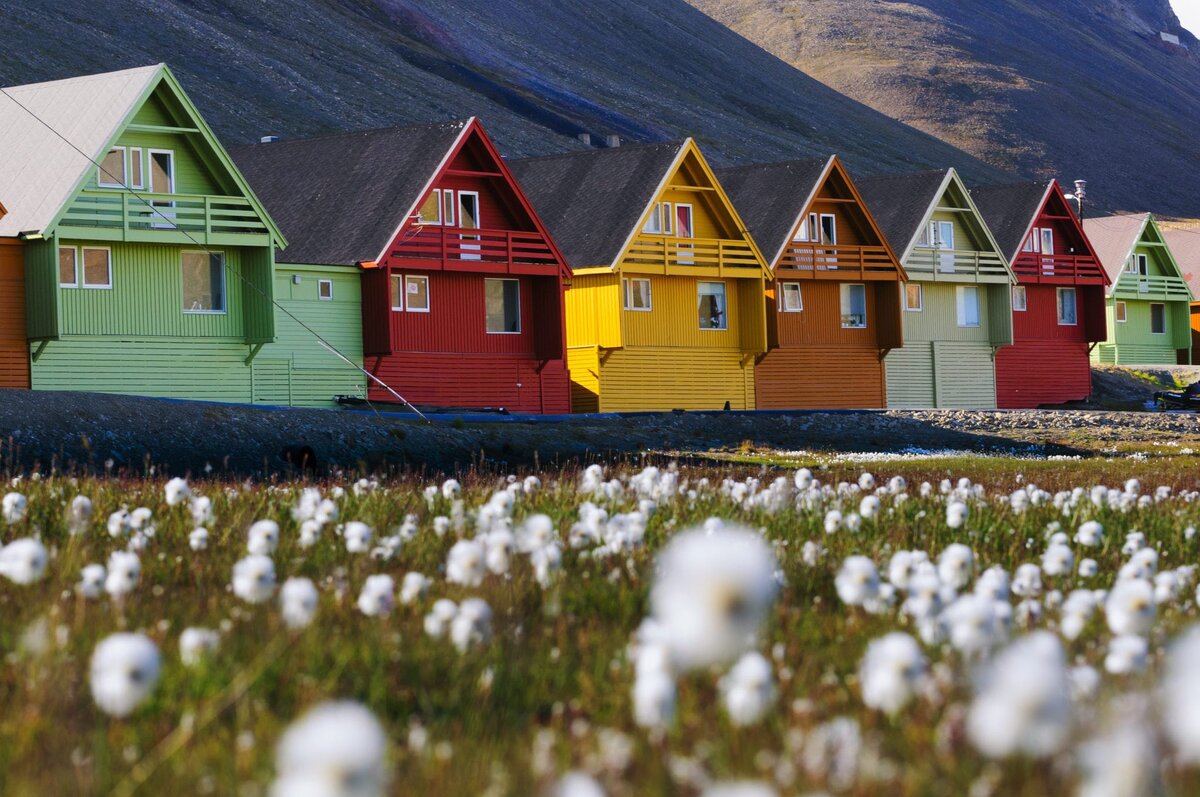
(1063, 88)
(538, 73)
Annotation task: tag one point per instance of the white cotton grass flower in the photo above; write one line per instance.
(869, 506)
(14, 507)
(378, 595)
(334, 750)
(973, 624)
(1089, 534)
(577, 784)
(498, 548)
(1022, 704)
(451, 489)
(902, 566)
(546, 562)
(124, 570)
(201, 507)
(437, 621)
(310, 532)
(196, 644)
(118, 523)
(740, 788)
(711, 593)
(1088, 568)
(1179, 697)
(254, 578)
(956, 514)
(91, 582)
(298, 602)
(413, 588)
(79, 516)
(1027, 581)
(262, 537)
(176, 491)
(955, 565)
(654, 690)
(358, 536)
(1124, 762)
(1058, 560)
(198, 539)
(24, 561)
(1126, 655)
(466, 563)
(891, 672)
(1130, 608)
(124, 671)
(472, 625)
(857, 581)
(140, 518)
(748, 689)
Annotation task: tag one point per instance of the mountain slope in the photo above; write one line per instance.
(537, 73)
(1051, 88)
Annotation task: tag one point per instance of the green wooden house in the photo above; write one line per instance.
(1149, 299)
(148, 260)
(957, 303)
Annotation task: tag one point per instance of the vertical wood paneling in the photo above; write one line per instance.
(594, 311)
(1040, 321)
(938, 319)
(457, 320)
(674, 319)
(14, 350)
(1032, 373)
(820, 377)
(820, 322)
(910, 381)
(584, 365)
(941, 373)
(660, 379)
(474, 381)
(44, 310)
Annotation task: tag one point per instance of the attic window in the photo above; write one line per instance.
(112, 169)
(431, 210)
(1140, 265)
(325, 290)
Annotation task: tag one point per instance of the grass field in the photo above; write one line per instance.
(547, 686)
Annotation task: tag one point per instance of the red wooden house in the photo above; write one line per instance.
(462, 286)
(1058, 301)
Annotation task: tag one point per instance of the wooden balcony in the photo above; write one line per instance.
(1034, 268)
(842, 263)
(1158, 289)
(955, 265)
(484, 251)
(697, 257)
(164, 218)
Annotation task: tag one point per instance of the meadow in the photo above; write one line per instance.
(921, 625)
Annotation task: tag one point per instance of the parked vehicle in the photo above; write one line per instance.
(1186, 399)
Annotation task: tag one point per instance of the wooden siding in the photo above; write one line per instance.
(457, 321)
(820, 322)
(14, 348)
(583, 362)
(941, 373)
(661, 379)
(1033, 373)
(594, 315)
(492, 381)
(938, 318)
(673, 320)
(296, 369)
(820, 377)
(43, 318)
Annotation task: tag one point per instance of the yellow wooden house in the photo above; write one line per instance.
(666, 308)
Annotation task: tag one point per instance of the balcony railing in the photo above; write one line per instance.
(466, 246)
(665, 254)
(836, 262)
(181, 218)
(956, 265)
(1034, 267)
(1135, 286)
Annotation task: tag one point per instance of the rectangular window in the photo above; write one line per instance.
(829, 229)
(710, 305)
(397, 292)
(1031, 241)
(416, 294)
(1158, 318)
(1047, 241)
(791, 301)
(808, 229)
(97, 267)
(135, 168)
(668, 219)
(325, 290)
(503, 300)
(637, 294)
(1068, 313)
(653, 225)
(968, 305)
(1020, 301)
(945, 240)
(914, 297)
(1141, 265)
(1121, 312)
(68, 267)
(448, 208)
(111, 173)
(203, 282)
(854, 305)
(431, 208)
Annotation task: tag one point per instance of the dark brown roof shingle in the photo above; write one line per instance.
(771, 196)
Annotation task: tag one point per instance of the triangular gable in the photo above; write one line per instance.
(212, 153)
(1056, 207)
(953, 194)
(476, 146)
(1151, 233)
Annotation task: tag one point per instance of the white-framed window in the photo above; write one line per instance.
(97, 267)
(203, 278)
(502, 298)
(68, 267)
(1140, 265)
(397, 291)
(1047, 234)
(1068, 310)
(659, 220)
(416, 293)
(637, 294)
(112, 172)
(1020, 300)
(807, 231)
(853, 305)
(1121, 312)
(1158, 318)
(430, 211)
(967, 300)
(829, 229)
(1034, 242)
(325, 290)
(711, 309)
(136, 180)
(668, 218)
(914, 297)
(791, 300)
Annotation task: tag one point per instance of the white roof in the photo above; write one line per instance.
(38, 170)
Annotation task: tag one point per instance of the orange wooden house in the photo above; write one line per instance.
(833, 309)
(14, 348)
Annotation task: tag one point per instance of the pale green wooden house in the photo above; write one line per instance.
(1149, 298)
(957, 304)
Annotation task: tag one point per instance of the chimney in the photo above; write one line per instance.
(268, 139)
(612, 141)
(586, 138)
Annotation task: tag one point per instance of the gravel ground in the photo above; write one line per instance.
(93, 432)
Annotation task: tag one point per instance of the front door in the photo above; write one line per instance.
(683, 229)
(162, 181)
(468, 219)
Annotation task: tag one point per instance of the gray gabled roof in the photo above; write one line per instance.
(341, 199)
(592, 201)
(1009, 211)
(900, 203)
(39, 169)
(771, 196)
(1114, 238)
(1185, 246)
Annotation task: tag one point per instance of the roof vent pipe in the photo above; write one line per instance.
(612, 141)
(268, 139)
(586, 138)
